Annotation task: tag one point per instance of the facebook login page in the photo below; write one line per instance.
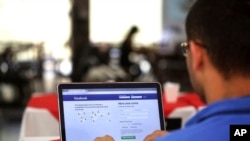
(125, 114)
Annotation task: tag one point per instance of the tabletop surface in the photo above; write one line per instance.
(45, 138)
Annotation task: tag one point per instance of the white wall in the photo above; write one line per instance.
(111, 19)
(35, 21)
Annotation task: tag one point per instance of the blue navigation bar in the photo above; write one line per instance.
(109, 97)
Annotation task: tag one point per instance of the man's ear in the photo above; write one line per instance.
(197, 53)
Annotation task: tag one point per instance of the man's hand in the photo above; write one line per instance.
(104, 138)
(155, 134)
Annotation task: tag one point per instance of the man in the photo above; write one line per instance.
(217, 55)
(126, 48)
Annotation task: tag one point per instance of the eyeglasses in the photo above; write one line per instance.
(184, 46)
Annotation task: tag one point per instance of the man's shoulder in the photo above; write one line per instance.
(216, 128)
(198, 133)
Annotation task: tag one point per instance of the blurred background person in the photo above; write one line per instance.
(126, 48)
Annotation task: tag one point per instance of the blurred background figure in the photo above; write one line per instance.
(126, 49)
(7, 55)
(16, 77)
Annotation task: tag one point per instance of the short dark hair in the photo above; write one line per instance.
(223, 27)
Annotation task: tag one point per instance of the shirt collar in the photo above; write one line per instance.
(227, 106)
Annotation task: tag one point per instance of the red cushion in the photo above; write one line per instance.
(187, 99)
(46, 101)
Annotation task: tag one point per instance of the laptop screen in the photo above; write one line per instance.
(123, 110)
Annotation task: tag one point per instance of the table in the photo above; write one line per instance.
(46, 138)
(40, 118)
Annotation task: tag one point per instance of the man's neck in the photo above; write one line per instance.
(219, 89)
(237, 87)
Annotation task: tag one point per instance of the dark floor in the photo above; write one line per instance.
(10, 121)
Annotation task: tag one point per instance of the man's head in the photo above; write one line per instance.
(221, 29)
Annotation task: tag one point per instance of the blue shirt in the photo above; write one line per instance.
(213, 122)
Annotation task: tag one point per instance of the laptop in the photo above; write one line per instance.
(123, 110)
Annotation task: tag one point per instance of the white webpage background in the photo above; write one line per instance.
(85, 120)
